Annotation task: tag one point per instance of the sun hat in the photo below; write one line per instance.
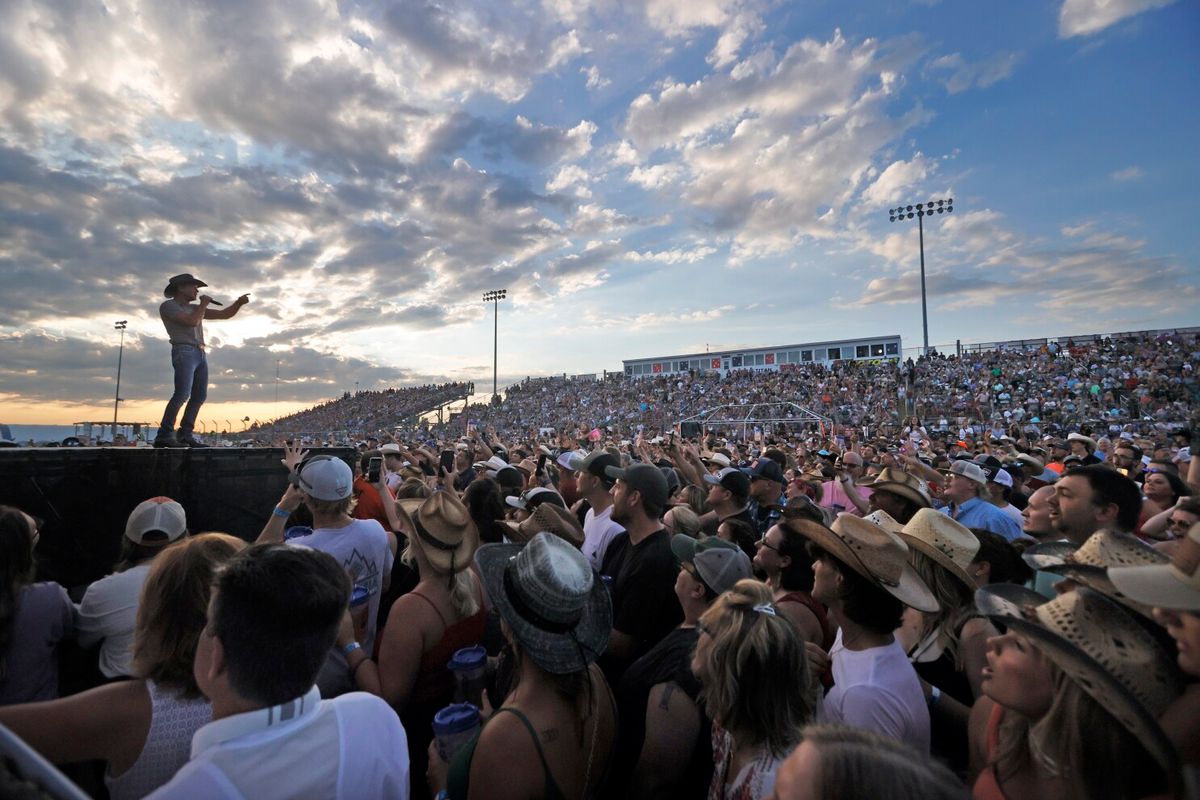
(325, 478)
(532, 498)
(716, 458)
(551, 599)
(969, 470)
(948, 542)
(158, 514)
(1111, 656)
(1104, 549)
(443, 529)
(719, 563)
(731, 479)
(1175, 585)
(902, 484)
(550, 518)
(1048, 554)
(181, 280)
(885, 521)
(872, 552)
(644, 478)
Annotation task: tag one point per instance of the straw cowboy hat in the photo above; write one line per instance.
(557, 608)
(885, 521)
(549, 518)
(1175, 586)
(443, 529)
(1110, 655)
(902, 484)
(1048, 554)
(948, 542)
(872, 552)
(1103, 549)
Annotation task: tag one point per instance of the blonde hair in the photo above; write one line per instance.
(464, 596)
(685, 520)
(1093, 752)
(955, 603)
(173, 609)
(755, 676)
(413, 488)
(332, 507)
(854, 763)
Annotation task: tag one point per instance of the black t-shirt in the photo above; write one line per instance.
(669, 661)
(643, 592)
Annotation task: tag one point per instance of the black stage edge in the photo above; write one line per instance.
(85, 494)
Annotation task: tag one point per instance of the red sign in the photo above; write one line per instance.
(716, 363)
(657, 368)
(770, 358)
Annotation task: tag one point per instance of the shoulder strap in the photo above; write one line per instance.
(436, 610)
(532, 735)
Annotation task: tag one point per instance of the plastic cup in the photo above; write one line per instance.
(454, 726)
(296, 532)
(360, 606)
(469, 667)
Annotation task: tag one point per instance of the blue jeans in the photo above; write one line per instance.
(191, 387)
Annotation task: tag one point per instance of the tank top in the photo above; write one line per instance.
(434, 680)
(805, 599)
(173, 721)
(987, 787)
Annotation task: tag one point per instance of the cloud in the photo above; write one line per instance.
(897, 177)
(1085, 17)
(1128, 174)
(958, 75)
(594, 79)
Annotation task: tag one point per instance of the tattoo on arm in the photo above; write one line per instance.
(665, 701)
(549, 735)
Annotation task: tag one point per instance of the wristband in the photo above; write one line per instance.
(350, 648)
(281, 513)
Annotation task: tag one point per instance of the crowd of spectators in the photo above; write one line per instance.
(361, 412)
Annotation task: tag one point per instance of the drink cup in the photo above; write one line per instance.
(360, 607)
(454, 726)
(469, 667)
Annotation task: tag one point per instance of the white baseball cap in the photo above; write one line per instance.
(156, 515)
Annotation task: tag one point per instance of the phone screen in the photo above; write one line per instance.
(447, 460)
(373, 467)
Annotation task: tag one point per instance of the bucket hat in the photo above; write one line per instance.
(872, 552)
(1175, 585)
(549, 518)
(443, 529)
(902, 484)
(1111, 656)
(948, 542)
(546, 591)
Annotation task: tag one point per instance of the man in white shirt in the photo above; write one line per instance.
(273, 616)
(595, 486)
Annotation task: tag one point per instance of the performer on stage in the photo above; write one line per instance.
(185, 327)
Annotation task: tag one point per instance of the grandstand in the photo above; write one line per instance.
(773, 357)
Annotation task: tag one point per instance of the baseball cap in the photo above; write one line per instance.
(594, 463)
(732, 479)
(532, 498)
(156, 515)
(644, 478)
(324, 478)
(767, 469)
(1001, 477)
(969, 470)
(720, 564)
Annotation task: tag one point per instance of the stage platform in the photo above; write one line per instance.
(84, 495)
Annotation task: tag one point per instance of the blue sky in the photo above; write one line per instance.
(644, 177)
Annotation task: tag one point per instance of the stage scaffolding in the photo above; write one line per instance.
(765, 416)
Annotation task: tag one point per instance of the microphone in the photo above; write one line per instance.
(215, 303)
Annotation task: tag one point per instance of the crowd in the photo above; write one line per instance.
(368, 411)
(568, 607)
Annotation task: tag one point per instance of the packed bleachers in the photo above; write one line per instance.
(365, 412)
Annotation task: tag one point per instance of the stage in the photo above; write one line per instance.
(84, 495)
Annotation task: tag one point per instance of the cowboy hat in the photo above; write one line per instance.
(948, 542)
(181, 280)
(873, 553)
(549, 518)
(1104, 549)
(902, 484)
(443, 529)
(1111, 657)
(1175, 585)
(552, 600)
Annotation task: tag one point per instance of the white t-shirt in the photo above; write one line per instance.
(877, 689)
(598, 531)
(108, 612)
(362, 549)
(351, 747)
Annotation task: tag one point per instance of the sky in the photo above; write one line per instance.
(644, 177)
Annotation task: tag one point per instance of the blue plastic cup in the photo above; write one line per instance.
(469, 667)
(454, 726)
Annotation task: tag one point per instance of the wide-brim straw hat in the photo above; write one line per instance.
(902, 484)
(1104, 549)
(872, 552)
(1096, 579)
(885, 521)
(948, 542)
(549, 518)
(1175, 586)
(1000, 600)
(443, 529)
(1111, 657)
(1047, 555)
(554, 603)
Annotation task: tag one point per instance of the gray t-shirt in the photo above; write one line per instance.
(178, 332)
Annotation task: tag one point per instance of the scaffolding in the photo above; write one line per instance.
(766, 416)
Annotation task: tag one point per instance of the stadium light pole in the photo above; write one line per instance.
(920, 211)
(120, 326)
(494, 297)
